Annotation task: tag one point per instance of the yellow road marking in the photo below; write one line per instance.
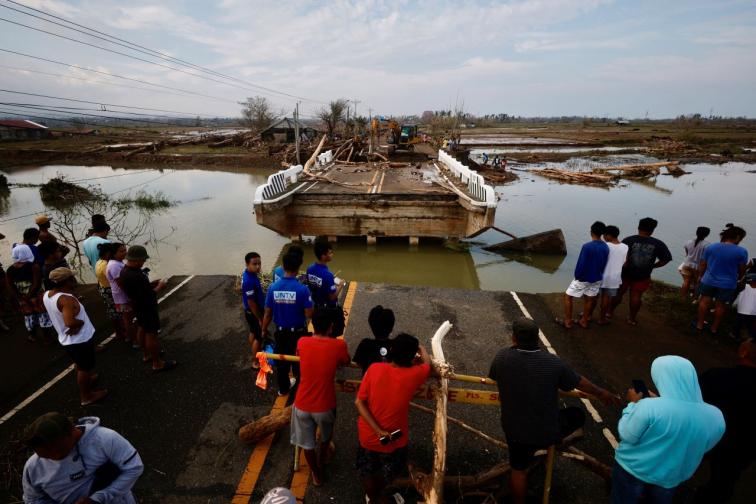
(380, 184)
(300, 478)
(371, 188)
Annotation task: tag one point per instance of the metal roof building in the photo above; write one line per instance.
(22, 129)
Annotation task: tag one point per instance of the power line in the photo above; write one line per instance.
(97, 103)
(257, 90)
(35, 105)
(71, 121)
(49, 109)
(86, 69)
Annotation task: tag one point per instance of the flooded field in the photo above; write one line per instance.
(212, 225)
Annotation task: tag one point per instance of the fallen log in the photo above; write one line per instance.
(548, 242)
(265, 426)
(574, 177)
(310, 162)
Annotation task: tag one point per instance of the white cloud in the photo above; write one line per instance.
(54, 6)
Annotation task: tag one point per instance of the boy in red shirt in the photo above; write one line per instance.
(383, 403)
(315, 404)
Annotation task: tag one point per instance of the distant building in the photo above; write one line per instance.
(621, 122)
(283, 131)
(22, 129)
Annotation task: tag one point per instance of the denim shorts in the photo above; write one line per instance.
(718, 293)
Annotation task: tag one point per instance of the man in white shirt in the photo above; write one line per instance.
(612, 272)
(75, 332)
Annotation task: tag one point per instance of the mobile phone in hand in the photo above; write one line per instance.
(640, 387)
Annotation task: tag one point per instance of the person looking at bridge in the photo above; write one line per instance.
(528, 380)
(371, 350)
(278, 271)
(315, 404)
(612, 278)
(83, 463)
(322, 283)
(589, 272)
(383, 404)
(100, 230)
(253, 303)
(645, 253)
(663, 438)
(288, 304)
(722, 265)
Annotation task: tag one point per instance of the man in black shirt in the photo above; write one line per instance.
(529, 380)
(143, 296)
(732, 391)
(370, 351)
(645, 253)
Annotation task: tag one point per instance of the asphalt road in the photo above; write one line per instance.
(184, 422)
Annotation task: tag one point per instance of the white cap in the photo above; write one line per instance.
(22, 253)
(279, 496)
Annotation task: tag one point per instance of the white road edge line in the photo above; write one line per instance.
(588, 405)
(23, 404)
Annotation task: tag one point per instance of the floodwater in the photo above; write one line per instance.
(212, 225)
(512, 140)
(566, 150)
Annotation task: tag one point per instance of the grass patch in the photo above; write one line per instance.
(57, 191)
(147, 201)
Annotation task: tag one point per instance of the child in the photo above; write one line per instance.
(103, 285)
(612, 279)
(121, 300)
(694, 250)
(746, 306)
(370, 351)
(253, 302)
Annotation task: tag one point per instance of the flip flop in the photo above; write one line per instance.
(167, 366)
(631, 322)
(560, 322)
(97, 399)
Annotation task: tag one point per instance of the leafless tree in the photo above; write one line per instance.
(257, 113)
(333, 115)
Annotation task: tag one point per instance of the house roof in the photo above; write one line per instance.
(21, 123)
(285, 123)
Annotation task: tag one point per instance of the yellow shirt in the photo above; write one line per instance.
(100, 268)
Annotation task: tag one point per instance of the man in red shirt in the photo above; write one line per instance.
(383, 403)
(315, 404)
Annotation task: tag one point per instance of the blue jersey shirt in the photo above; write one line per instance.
(288, 299)
(723, 261)
(278, 273)
(322, 285)
(252, 289)
(592, 261)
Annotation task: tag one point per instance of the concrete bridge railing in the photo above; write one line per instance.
(277, 184)
(476, 184)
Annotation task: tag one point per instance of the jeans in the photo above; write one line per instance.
(286, 343)
(627, 489)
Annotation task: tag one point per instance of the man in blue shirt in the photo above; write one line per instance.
(719, 270)
(253, 302)
(100, 232)
(324, 291)
(589, 272)
(278, 271)
(289, 305)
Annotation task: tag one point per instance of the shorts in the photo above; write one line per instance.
(718, 293)
(578, 289)
(110, 308)
(148, 320)
(123, 308)
(83, 355)
(609, 291)
(521, 454)
(635, 286)
(304, 423)
(389, 465)
(253, 324)
(688, 271)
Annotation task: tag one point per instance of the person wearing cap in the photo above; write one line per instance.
(143, 296)
(24, 279)
(529, 380)
(80, 463)
(99, 235)
(279, 495)
(75, 332)
(43, 223)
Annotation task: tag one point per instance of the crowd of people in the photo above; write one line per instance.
(665, 433)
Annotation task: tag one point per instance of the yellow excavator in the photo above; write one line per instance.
(402, 137)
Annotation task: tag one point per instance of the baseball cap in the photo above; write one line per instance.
(59, 275)
(279, 495)
(136, 253)
(47, 428)
(22, 253)
(42, 219)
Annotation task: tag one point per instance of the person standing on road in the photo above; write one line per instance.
(694, 250)
(663, 438)
(529, 380)
(645, 254)
(78, 464)
(722, 265)
(253, 303)
(103, 285)
(24, 281)
(122, 302)
(383, 404)
(100, 230)
(589, 271)
(75, 332)
(52, 255)
(745, 318)
(612, 278)
(381, 321)
(143, 296)
(315, 404)
(322, 283)
(30, 239)
(288, 304)
(278, 271)
(43, 223)
(731, 390)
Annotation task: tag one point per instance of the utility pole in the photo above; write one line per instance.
(296, 131)
(370, 125)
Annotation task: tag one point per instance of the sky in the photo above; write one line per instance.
(608, 58)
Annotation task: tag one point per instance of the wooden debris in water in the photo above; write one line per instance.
(606, 176)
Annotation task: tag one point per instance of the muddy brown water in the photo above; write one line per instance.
(212, 226)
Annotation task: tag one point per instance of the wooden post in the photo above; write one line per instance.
(550, 455)
(435, 494)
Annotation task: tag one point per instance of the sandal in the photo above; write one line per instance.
(167, 366)
(562, 323)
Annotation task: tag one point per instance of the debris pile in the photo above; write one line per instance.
(606, 176)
